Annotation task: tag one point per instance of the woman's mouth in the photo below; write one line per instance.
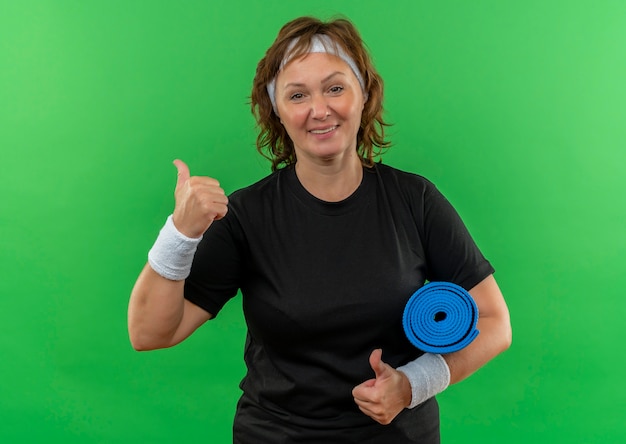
(324, 130)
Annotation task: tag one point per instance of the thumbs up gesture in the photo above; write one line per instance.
(199, 201)
(384, 396)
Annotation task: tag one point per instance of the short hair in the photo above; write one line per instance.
(273, 142)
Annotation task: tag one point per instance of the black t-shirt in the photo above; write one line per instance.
(323, 285)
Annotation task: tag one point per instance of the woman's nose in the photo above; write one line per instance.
(319, 108)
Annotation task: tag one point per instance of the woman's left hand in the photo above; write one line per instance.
(385, 396)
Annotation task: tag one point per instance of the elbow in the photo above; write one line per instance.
(135, 337)
(144, 346)
(142, 337)
(137, 344)
(142, 342)
(506, 337)
(500, 336)
(139, 347)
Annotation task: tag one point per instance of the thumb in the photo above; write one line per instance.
(183, 173)
(377, 364)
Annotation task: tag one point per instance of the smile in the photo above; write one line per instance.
(325, 130)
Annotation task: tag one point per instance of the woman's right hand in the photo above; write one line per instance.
(199, 201)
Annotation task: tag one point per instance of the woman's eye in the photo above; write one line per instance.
(336, 89)
(296, 96)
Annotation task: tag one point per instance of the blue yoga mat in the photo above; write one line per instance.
(440, 317)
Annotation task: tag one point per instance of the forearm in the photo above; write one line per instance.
(155, 310)
(493, 339)
(427, 378)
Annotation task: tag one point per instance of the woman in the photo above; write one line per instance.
(326, 251)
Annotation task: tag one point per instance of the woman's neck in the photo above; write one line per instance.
(330, 182)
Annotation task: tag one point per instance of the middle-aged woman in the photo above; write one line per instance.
(326, 251)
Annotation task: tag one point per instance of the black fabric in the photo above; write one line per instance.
(323, 285)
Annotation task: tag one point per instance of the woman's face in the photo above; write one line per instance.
(320, 103)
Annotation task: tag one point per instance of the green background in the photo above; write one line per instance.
(516, 110)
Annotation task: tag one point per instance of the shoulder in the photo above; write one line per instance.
(403, 181)
(410, 190)
(390, 172)
(262, 187)
(255, 201)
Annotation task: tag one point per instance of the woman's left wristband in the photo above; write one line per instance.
(428, 375)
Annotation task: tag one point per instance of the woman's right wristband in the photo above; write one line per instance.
(172, 254)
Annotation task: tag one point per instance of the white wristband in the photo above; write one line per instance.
(428, 375)
(172, 253)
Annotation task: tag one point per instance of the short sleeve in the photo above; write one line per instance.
(452, 255)
(216, 272)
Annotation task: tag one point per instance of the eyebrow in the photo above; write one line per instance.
(325, 79)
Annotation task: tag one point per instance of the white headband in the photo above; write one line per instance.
(320, 43)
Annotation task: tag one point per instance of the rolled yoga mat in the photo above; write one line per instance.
(440, 317)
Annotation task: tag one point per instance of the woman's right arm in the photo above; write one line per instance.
(159, 316)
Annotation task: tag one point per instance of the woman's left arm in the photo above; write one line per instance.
(390, 391)
(494, 326)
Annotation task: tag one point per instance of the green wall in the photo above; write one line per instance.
(517, 110)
